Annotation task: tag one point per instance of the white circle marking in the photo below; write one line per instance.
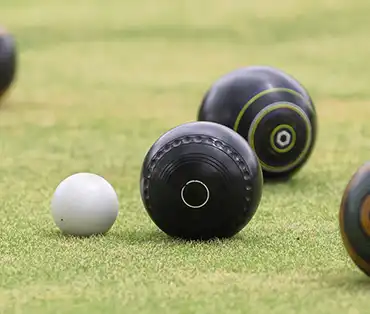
(191, 182)
(287, 140)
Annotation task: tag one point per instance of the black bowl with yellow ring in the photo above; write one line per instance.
(271, 110)
(354, 218)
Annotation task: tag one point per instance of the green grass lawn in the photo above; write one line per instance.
(99, 82)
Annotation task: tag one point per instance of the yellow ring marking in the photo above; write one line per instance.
(258, 119)
(292, 143)
(259, 95)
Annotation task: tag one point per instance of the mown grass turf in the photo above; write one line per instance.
(98, 82)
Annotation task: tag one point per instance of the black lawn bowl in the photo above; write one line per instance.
(354, 218)
(201, 181)
(271, 110)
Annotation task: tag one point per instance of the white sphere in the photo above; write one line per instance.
(84, 204)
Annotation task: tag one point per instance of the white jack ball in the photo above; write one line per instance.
(84, 204)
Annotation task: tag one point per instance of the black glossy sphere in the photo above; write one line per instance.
(354, 218)
(7, 61)
(200, 181)
(271, 110)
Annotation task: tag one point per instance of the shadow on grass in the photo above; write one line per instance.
(363, 282)
(355, 282)
(6, 103)
(58, 235)
(140, 237)
(278, 180)
(157, 236)
(306, 181)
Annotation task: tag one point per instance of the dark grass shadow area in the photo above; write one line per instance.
(274, 181)
(362, 283)
(355, 281)
(290, 182)
(355, 284)
(6, 102)
(157, 236)
(58, 235)
(139, 237)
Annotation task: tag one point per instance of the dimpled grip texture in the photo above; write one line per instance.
(201, 139)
